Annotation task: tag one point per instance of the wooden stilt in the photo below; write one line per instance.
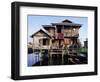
(41, 56)
(62, 57)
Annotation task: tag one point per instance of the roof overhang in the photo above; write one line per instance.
(67, 24)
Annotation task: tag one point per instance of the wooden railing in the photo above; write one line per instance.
(69, 34)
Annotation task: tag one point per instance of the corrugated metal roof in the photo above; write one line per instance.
(66, 24)
(40, 31)
(47, 26)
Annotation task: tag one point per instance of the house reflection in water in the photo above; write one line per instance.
(58, 44)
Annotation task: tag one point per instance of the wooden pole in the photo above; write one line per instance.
(33, 50)
(41, 51)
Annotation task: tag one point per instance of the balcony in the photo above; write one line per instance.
(74, 34)
(59, 36)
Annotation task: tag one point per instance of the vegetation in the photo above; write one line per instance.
(83, 50)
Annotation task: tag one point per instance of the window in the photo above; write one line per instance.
(74, 29)
(45, 41)
(59, 30)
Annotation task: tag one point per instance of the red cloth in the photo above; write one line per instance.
(59, 36)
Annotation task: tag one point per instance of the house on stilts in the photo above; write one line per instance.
(55, 37)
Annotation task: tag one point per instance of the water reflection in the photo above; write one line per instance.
(38, 59)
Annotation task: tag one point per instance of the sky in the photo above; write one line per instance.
(35, 23)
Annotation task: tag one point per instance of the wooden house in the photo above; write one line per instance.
(56, 35)
(41, 39)
(54, 38)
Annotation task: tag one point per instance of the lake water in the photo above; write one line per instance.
(35, 59)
